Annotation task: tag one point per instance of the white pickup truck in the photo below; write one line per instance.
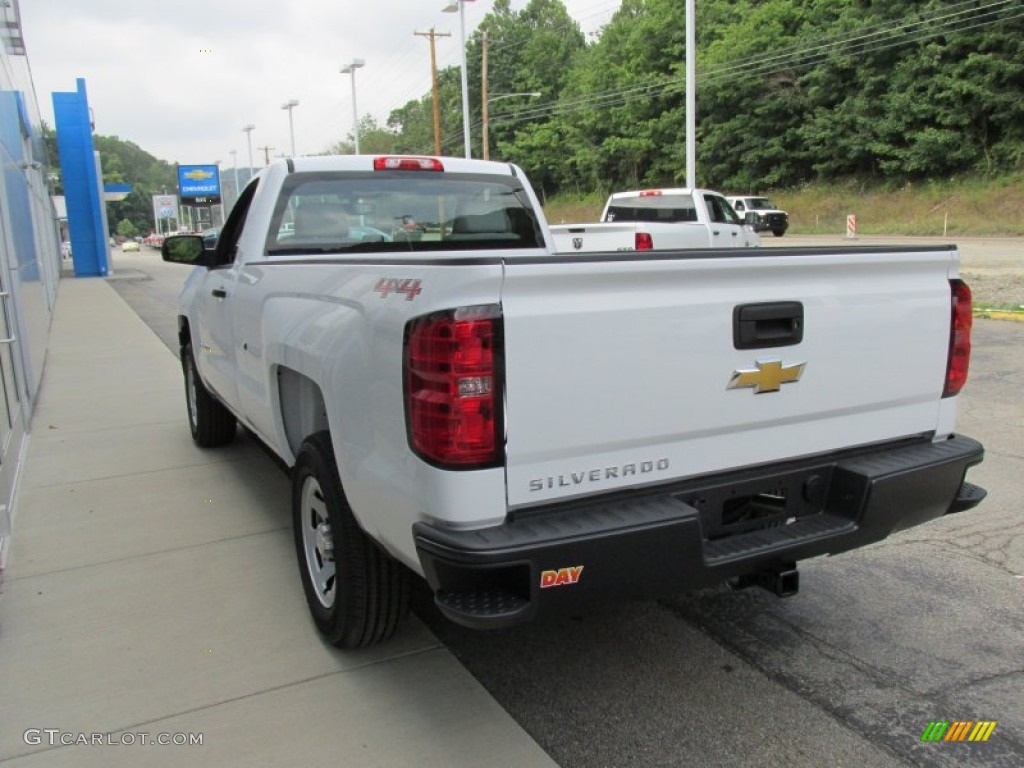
(760, 213)
(535, 432)
(658, 219)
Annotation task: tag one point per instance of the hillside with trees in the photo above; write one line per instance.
(788, 92)
(125, 163)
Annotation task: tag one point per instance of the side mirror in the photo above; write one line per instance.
(186, 249)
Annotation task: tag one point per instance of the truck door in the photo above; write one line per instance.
(214, 344)
(726, 227)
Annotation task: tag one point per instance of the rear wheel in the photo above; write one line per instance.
(356, 592)
(211, 423)
(778, 232)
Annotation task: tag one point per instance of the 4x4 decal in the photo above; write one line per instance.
(388, 285)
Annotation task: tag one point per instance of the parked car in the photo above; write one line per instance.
(370, 234)
(360, 232)
(210, 238)
(129, 245)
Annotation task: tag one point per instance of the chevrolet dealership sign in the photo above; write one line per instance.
(199, 184)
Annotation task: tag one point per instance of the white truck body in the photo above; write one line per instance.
(658, 219)
(760, 213)
(649, 411)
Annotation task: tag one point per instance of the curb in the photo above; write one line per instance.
(999, 314)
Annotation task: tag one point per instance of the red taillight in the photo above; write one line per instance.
(453, 387)
(644, 241)
(959, 338)
(650, 193)
(407, 164)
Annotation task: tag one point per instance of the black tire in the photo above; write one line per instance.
(778, 232)
(211, 423)
(357, 593)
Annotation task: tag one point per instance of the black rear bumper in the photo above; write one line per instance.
(648, 544)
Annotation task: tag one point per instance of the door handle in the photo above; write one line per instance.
(769, 324)
(714, 232)
(220, 293)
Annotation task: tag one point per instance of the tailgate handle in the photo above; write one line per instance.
(772, 324)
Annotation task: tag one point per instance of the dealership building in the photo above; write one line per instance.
(29, 259)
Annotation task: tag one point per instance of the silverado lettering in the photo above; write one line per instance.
(597, 475)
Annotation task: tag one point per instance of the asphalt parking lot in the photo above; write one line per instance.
(879, 642)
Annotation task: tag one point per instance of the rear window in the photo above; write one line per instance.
(653, 208)
(401, 211)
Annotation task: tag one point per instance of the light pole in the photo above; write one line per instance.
(486, 116)
(452, 7)
(247, 130)
(234, 167)
(290, 105)
(691, 93)
(350, 69)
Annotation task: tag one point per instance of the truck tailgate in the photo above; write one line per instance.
(618, 372)
(591, 238)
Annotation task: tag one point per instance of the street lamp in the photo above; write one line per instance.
(486, 115)
(452, 7)
(351, 68)
(234, 164)
(247, 130)
(290, 105)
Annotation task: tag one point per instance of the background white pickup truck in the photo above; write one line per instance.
(534, 432)
(658, 219)
(760, 213)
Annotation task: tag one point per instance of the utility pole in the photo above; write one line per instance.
(266, 154)
(433, 79)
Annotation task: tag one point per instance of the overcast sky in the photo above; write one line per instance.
(180, 78)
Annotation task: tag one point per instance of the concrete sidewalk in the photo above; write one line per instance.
(152, 588)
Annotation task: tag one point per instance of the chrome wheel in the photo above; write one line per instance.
(318, 542)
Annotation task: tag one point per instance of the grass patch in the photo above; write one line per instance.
(969, 206)
(995, 306)
(571, 209)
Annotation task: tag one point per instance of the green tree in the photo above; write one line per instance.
(126, 228)
(124, 162)
(373, 140)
